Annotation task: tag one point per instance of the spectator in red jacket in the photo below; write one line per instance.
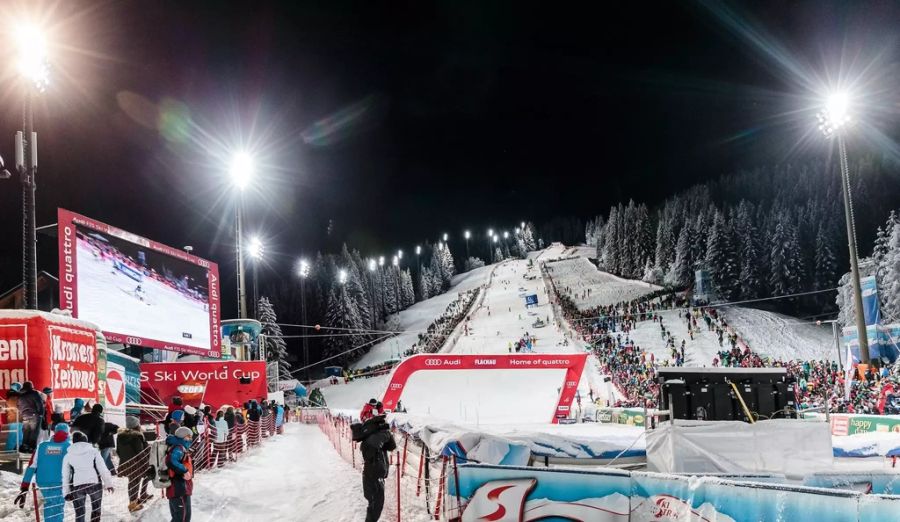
(368, 410)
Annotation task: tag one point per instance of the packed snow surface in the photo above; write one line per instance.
(297, 476)
(577, 276)
(782, 336)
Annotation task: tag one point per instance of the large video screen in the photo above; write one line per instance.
(137, 291)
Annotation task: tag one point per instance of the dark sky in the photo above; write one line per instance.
(432, 117)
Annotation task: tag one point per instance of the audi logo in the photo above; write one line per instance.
(133, 340)
(432, 362)
(396, 385)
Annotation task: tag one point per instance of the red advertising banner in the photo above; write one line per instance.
(572, 363)
(48, 351)
(213, 383)
(139, 291)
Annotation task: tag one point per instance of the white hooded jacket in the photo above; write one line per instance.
(84, 465)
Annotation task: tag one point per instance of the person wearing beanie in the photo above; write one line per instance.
(91, 424)
(175, 421)
(31, 415)
(46, 469)
(366, 412)
(77, 409)
(181, 473)
(84, 476)
(130, 445)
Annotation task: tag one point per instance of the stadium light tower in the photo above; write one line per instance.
(834, 121)
(241, 171)
(467, 235)
(490, 235)
(303, 272)
(418, 259)
(505, 234)
(372, 265)
(445, 237)
(31, 62)
(255, 250)
(342, 276)
(395, 261)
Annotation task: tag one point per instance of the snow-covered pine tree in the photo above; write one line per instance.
(358, 294)
(629, 245)
(528, 238)
(610, 243)
(882, 241)
(889, 285)
(408, 296)
(498, 254)
(825, 260)
(721, 260)
(424, 283)
(276, 348)
(780, 242)
(448, 269)
(643, 240)
(796, 262)
(682, 272)
(342, 315)
(747, 239)
(437, 273)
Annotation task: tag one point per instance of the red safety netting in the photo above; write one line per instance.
(418, 481)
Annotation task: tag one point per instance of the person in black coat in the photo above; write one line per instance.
(31, 415)
(91, 424)
(377, 441)
(107, 444)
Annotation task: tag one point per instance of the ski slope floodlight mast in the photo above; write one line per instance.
(467, 235)
(395, 261)
(445, 237)
(303, 272)
(342, 276)
(381, 261)
(372, 265)
(31, 62)
(255, 250)
(241, 170)
(834, 121)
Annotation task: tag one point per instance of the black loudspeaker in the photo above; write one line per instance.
(708, 394)
(703, 400)
(680, 398)
(725, 402)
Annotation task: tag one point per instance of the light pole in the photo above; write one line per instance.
(399, 257)
(466, 234)
(303, 272)
(372, 287)
(833, 121)
(381, 276)
(32, 65)
(241, 173)
(255, 249)
(418, 260)
(490, 236)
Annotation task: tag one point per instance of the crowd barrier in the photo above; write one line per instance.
(417, 482)
(524, 493)
(208, 451)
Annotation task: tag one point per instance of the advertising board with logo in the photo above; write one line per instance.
(572, 363)
(505, 493)
(847, 424)
(213, 383)
(49, 351)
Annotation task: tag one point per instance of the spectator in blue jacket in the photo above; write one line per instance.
(45, 469)
(279, 417)
(181, 472)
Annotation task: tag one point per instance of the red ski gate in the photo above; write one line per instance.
(572, 363)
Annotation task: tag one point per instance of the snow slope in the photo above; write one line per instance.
(297, 476)
(782, 336)
(417, 317)
(575, 276)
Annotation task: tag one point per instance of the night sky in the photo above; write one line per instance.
(386, 124)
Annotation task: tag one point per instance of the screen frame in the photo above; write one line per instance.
(68, 281)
